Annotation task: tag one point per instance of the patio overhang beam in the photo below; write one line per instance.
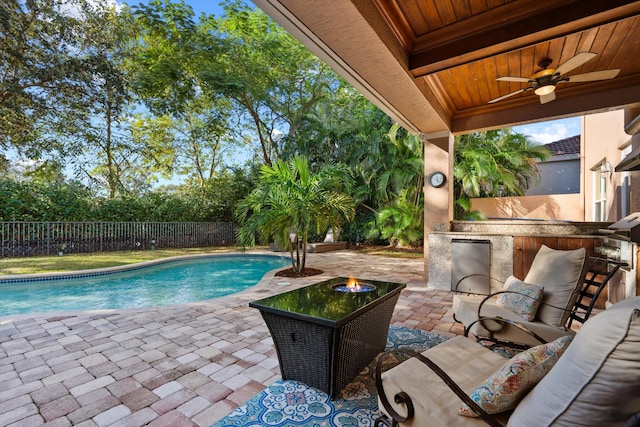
(350, 38)
(576, 100)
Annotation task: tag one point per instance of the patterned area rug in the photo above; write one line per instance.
(294, 404)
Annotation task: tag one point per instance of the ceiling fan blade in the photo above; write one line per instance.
(574, 62)
(513, 79)
(547, 98)
(595, 75)
(500, 98)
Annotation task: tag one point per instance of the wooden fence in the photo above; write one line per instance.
(25, 238)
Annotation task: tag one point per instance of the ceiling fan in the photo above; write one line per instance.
(544, 81)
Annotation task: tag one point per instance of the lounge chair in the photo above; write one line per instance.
(592, 381)
(561, 288)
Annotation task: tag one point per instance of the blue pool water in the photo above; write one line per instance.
(173, 282)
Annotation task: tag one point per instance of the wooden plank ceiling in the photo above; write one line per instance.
(458, 48)
(433, 64)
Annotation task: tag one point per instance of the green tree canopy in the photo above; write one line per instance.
(51, 58)
(399, 189)
(241, 75)
(42, 69)
(65, 88)
(492, 163)
(273, 79)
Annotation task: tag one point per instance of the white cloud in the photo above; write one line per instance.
(24, 165)
(277, 135)
(546, 132)
(71, 9)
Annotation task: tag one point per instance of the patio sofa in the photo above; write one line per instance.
(562, 286)
(594, 381)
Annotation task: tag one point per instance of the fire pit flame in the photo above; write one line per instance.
(353, 285)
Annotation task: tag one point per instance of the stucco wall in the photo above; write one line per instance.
(563, 207)
(604, 138)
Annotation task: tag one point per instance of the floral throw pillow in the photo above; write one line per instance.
(504, 388)
(523, 298)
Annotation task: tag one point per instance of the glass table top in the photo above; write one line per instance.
(322, 302)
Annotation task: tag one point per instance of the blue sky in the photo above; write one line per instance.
(210, 7)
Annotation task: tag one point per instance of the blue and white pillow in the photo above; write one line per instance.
(522, 298)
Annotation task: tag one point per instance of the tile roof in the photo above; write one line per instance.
(564, 146)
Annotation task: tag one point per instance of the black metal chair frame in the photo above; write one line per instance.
(403, 398)
(598, 276)
(600, 272)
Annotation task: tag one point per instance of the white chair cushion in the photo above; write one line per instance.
(597, 380)
(561, 273)
(465, 308)
(467, 362)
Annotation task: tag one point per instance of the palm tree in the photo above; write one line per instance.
(289, 200)
(405, 169)
(399, 187)
(402, 221)
(493, 163)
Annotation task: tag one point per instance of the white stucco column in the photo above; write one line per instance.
(438, 201)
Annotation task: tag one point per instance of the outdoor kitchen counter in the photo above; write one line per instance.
(512, 249)
(520, 227)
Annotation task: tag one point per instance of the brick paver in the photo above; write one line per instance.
(176, 365)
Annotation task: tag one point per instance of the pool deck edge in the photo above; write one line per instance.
(70, 274)
(12, 278)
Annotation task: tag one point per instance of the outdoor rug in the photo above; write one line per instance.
(294, 404)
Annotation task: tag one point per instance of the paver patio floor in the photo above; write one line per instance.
(178, 365)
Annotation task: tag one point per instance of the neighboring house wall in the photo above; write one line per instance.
(558, 175)
(557, 196)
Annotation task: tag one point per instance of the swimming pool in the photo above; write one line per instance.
(172, 282)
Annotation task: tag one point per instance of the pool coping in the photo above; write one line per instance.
(74, 274)
(264, 281)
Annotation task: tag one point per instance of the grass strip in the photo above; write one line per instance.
(73, 262)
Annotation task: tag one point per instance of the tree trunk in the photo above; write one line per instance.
(111, 180)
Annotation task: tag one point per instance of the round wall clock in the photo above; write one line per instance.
(437, 179)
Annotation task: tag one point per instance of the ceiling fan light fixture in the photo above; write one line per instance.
(544, 81)
(544, 90)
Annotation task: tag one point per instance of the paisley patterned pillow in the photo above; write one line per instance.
(504, 388)
(523, 299)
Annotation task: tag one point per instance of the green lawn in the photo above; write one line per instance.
(396, 253)
(71, 262)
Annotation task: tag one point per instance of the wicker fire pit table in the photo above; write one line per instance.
(325, 334)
